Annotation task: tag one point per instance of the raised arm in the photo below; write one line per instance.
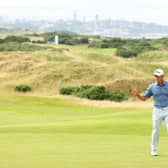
(137, 94)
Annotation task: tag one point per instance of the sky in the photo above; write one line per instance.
(132, 10)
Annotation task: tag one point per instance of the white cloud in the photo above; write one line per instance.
(16, 3)
(140, 10)
(153, 2)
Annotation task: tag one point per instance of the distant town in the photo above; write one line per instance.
(97, 26)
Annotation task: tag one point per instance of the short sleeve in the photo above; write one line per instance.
(148, 92)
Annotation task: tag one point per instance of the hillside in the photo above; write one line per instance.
(48, 70)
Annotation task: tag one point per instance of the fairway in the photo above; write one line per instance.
(59, 132)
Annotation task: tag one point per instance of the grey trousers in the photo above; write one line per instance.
(159, 114)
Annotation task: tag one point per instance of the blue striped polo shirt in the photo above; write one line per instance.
(159, 93)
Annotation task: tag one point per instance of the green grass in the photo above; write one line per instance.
(104, 55)
(58, 132)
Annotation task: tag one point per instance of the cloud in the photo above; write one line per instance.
(153, 2)
(139, 10)
(56, 3)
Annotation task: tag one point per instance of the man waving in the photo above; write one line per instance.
(159, 91)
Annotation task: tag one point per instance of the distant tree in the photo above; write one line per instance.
(116, 42)
(84, 40)
(104, 45)
(19, 39)
(123, 52)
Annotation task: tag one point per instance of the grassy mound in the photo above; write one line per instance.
(50, 69)
(125, 85)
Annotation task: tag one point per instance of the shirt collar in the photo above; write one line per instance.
(163, 84)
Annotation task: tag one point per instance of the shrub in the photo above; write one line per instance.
(104, 45)
(69, 42)
(38, 41)
(1, 40)
(123, 52)
(73, 90)
(18, 39)
(116, 42)
(23, 88)
(163, 41)
(84, 40)
(93, 93)
(67, 90)
(140, 46)
(64, 37)
(117, 96)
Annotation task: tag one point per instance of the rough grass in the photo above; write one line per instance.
(125, 85)
(153, 56)
(58, 132)
(46, 71)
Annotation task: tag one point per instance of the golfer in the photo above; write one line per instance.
(159, 91)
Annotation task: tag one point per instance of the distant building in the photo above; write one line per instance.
(96, 30)
(75, 17)
(97, 20)
(56, 40)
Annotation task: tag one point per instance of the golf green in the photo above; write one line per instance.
(57, 132)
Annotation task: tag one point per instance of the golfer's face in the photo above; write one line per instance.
(159, 79)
